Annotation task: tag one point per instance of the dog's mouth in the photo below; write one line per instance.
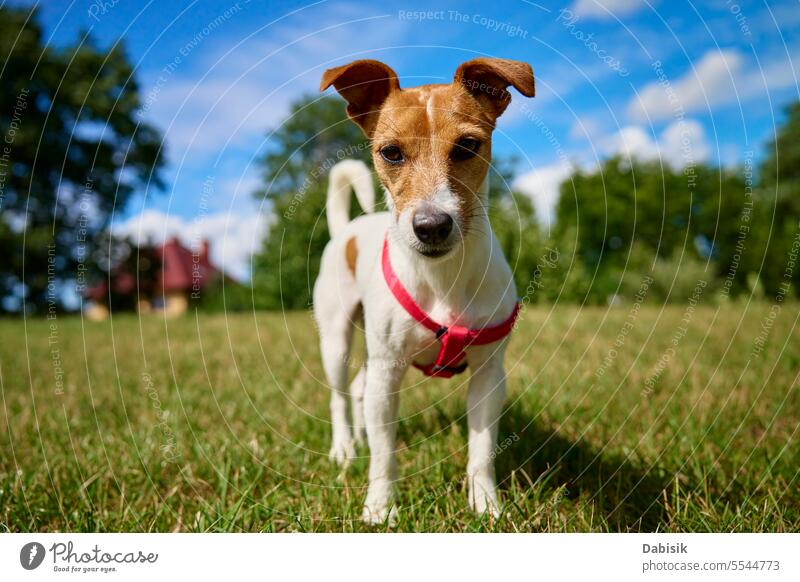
(431, 252)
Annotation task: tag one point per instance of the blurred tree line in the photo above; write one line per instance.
(73, 150)
(735, 230)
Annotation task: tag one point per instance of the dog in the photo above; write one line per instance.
(428, 277)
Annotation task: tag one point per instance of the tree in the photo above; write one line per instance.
(624, 202)
(780, 201)
(513, 220)
(316, 136)
(694, 214)
(72, 151)
(781, 166)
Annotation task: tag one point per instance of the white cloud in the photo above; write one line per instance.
(708, 84)
(718, 78)
(542, 186)
(232, 238)
(680, 144)
(601, 8)
(683, 143)
(630, 142)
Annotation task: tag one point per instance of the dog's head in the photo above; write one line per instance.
(431, 145)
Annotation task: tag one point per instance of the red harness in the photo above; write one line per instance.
(454, 339)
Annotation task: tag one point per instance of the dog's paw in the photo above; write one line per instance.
(372, 516)
(483, 501)
(483, 505)
(342, 452)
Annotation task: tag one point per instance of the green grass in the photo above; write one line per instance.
(215, 423)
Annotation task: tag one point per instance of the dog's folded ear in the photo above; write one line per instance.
(488, 80)
(365, 85)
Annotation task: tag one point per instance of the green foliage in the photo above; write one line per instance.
(678, 279)
(557, 274)
(622, 202)
(78, 151)
(780, 202)
(513, 220)
(316, 136)
(781, 166)
(224, 295)
(679, 226)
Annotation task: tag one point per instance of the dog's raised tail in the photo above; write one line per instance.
(345, 176)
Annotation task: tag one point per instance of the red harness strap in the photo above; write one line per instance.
(454, 339)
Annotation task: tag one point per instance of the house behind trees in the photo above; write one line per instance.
(165, 278)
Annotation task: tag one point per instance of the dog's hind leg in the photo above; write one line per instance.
(335, 356)
(336, 336)
(336, 306)
(357, 396)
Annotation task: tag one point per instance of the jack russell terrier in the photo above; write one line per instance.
(428, 276)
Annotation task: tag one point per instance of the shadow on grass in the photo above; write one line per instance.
(627, 496)
(630, 498)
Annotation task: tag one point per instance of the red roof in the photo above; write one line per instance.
(122, 284)
(182, 270)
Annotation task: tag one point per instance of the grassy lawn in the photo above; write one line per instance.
(615, 421)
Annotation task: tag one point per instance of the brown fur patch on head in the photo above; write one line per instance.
(351, 254)
(426, 123)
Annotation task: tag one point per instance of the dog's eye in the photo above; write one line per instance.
(465, 149)
(392, 154)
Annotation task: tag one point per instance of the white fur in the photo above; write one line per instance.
(344, 177)
(471, 286)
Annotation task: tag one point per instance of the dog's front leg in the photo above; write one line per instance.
(380, 413)
(485, 405)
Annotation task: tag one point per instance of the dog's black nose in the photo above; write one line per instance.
(432, 227)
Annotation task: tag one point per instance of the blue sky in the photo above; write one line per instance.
(682, 82)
